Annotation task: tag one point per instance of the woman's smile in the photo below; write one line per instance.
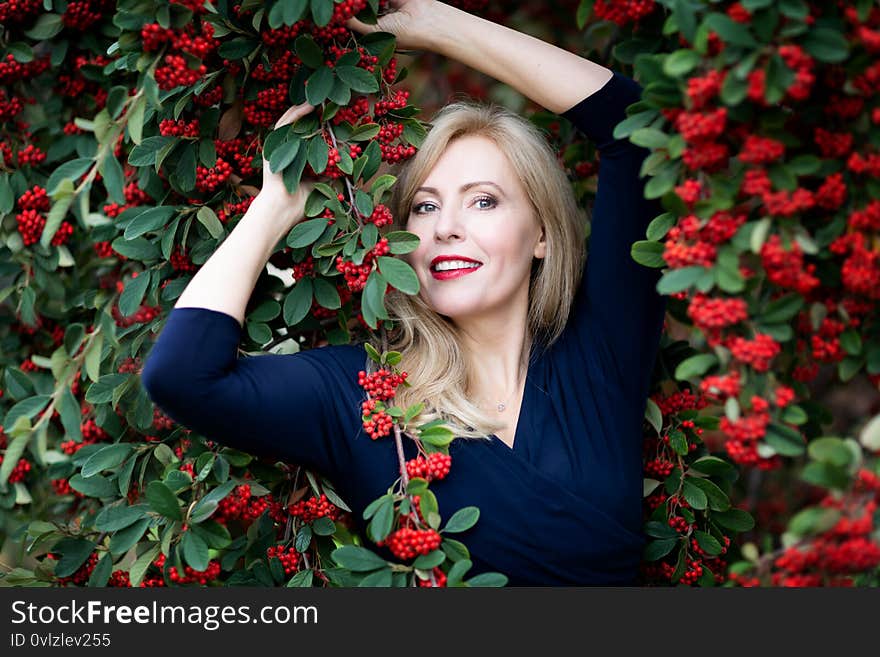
(458, 272)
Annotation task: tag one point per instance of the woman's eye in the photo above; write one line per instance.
(484, 202)
(422, 208)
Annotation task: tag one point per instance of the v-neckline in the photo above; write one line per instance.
(517, 438)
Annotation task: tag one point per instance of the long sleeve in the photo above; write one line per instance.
(291, 407)
(617, 311)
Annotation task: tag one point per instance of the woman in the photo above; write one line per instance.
(560, 369)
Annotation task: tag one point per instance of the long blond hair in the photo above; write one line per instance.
(438, 372)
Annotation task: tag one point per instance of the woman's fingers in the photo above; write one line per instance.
(360, 26)
(293, 113)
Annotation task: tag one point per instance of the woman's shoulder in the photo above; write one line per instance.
(344, 359)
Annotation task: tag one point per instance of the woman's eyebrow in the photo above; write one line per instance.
(463, 188)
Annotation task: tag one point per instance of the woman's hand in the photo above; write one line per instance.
(273, 185)
(409, 23)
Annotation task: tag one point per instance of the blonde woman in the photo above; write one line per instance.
(544, 376)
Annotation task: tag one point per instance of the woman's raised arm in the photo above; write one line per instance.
(548, 75)
(226, 281)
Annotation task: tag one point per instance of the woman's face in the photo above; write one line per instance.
(472, 205)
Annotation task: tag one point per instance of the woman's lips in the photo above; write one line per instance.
(453, 273)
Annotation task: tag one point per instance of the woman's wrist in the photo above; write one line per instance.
(277, 209)
(443, 22)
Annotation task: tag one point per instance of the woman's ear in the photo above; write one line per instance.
(541, 246)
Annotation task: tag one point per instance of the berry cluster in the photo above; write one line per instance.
(313, 508)
(407, 543)
(436, 466)
(381, 384)
(288, 557)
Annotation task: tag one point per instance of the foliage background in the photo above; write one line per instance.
(763, 122)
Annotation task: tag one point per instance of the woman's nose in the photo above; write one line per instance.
(448, 225)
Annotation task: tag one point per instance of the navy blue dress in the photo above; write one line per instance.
(563, 506)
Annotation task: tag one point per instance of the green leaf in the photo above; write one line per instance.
(660, 225)
(96, 486)
(681, 62)
(495, 580)
(195, 551)
(430, 560)
(649, 138)
(678, 280)
(851, 342)
(694, 495)
(657, 529)
(106, 458)
(26, 408)
(712, 465)
(139, 248)
(46, 27)
(114, 518)
(462, 520)
(695, 366)
(360, 80)
(455, 550)
(322, 12)
(678, 442)
(381, 578)
(144, 154)
(626, 127)
(114, 178)
(135, 124)
(782, 309)
(318, 154)
(298, 302)
(283, 155)
(74, 552)
(708, 543)
(457, 572)
(735, 519)
(206, 506)
(101, 391)
(151, 219)
(208, 218)
(318, 85)
(326, 294)
(730, 31)
(826, 44)
(785, 440)
(813, 520)
(399, 274)
(648, 253)
(717, 498)
(237, 48)
(163, 501)
(826, 475)
(830, 450)
(383, 520)
(303, 579)
(658, 549)
(141, 564)
(71, 170)
(133, 294)
(401, 241)
(308, 51)
(125, 539)
(306, 232)
(357, 559)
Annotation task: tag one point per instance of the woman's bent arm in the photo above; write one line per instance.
(226, 281)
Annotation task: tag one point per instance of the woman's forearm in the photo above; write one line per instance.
(226, 281)
(550, 76)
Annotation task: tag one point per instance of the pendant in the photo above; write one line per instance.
(501, 406)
